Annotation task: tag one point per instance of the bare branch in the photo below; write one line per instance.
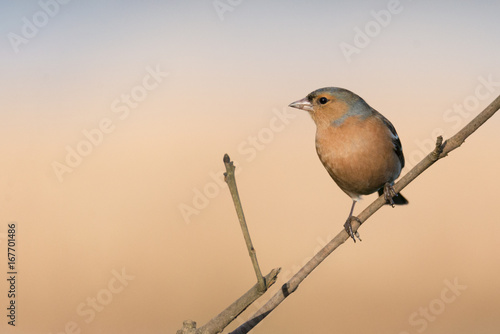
(217, 324)
(439, 152)
(231, 182)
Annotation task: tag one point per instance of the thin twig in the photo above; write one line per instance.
(441, 150)
(218, 323)
(231, 182)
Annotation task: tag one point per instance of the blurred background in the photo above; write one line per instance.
(115, 118)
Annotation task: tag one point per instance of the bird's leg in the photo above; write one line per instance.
(348, 226)
(389, 193)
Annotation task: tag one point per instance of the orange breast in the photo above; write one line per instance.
(359, 155)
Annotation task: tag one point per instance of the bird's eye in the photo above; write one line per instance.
(322, 100)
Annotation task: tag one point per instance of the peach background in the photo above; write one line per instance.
(227, 80)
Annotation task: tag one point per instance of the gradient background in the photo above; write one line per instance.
(121, 207)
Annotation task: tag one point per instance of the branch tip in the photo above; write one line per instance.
(273, 277)
(439, 141)
(438, 149)
(226, 159)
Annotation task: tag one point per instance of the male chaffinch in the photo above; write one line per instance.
(358, 146)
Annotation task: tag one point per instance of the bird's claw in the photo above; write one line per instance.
(348, 228)
(389, 193)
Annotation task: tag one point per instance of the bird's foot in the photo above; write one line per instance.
(348, 228)
(389, 193)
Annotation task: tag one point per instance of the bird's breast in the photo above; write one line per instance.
(359, 155)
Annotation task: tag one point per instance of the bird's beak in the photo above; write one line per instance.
(303, 104)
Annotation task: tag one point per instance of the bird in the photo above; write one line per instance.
(356, 144)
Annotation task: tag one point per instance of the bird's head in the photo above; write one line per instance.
(332, 105)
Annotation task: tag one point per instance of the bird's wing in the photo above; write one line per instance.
(398, 148)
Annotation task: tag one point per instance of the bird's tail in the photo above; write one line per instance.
(398, 199)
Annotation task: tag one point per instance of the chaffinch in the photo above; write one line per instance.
(358, 146)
